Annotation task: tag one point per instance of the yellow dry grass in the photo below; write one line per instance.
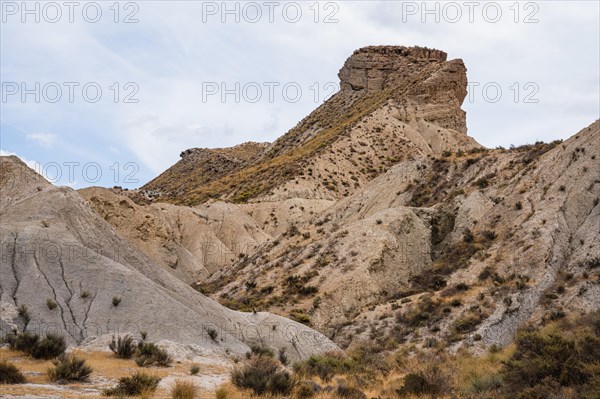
(107, 370)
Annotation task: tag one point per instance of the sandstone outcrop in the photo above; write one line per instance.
(395, 103)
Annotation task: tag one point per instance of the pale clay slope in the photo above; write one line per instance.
(54, 246)
(372, 242)
(404, 135)
(191, 243)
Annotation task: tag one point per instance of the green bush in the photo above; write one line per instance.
(348, 392)
(194, 369)
(262, 375)
(136, 384)
(307, 389)
(148, 354)
(123, 347)
(325, 366)
(47, 348)
(485, 383)
(431, 380)
(544, 364)
(50, 347)
(10, 374)
(51, 304)
(69, 368)
(23, 342)
(260, 350)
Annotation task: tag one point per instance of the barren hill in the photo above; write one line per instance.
(378, 219)
(56, 248)
(395, 103)
(509, 236)
(199, 166)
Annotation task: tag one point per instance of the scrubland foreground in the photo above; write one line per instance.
(559, 360)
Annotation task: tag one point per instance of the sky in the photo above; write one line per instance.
(110, 93)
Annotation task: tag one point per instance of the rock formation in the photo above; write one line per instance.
(394, 103)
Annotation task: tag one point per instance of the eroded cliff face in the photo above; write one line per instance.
(395, 102)
(378, 67)
(438, 97)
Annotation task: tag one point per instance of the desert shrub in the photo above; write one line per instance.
(260, 350)
(123, 347)
(184, 390)
(306, 290)
(221, 393)
(299, 316)
(542, 362)
(116, 301)
(307, 389)
(283, 359)
(51, 304)
(325, 366)
(133, 385)
(23, 312)
(69, 368)
(10, 374)
(415, 383)
(468, 322)
(486, 273)
(430, 379)
(485, 383)
(194, 369)
(47, 348)
(262, 375)
(212, 334)
(468, 235)
(149, 354)
(456, 303)
(490, 235)
(368, 358)
(425, 312)
(343, 390)
(23, 342)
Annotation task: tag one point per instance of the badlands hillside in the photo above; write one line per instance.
(376, 226)
(379, 204)
(55, 247)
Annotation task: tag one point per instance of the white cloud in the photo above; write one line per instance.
(43, 139)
